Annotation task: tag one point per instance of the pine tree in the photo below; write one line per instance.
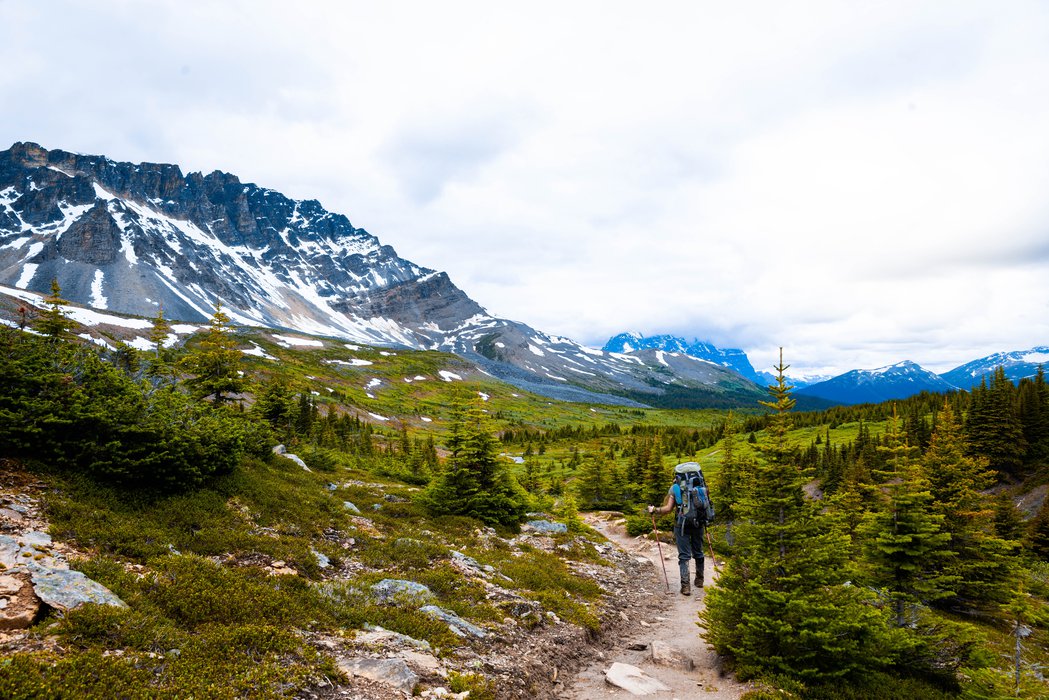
(904, 545)
(215, 362)
(474, 482)
(985, 565)
(782, 604)
(53, 321)
(729, 482)
(1034, 415)
(158, 334)
(993, 425)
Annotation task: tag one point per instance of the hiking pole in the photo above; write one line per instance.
(660, 548)
(710, 544)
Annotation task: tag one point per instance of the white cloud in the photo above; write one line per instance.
(861, 184)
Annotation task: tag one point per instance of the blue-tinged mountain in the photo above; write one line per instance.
(732, 358)
(896, 381)
(1017, 365)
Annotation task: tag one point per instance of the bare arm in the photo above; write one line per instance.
(668, 506)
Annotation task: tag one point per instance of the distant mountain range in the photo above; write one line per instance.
(896, 381)
(135, 238)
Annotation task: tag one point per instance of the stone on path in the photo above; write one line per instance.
(392, 672)
(665, 655)
(632, 679)
(456, 624)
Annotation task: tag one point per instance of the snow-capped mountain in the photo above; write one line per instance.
(733, 358)
(134, 238)
(1017, 365)
(896, 381)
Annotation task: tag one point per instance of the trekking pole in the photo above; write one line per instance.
(710, 544)
(660, 548)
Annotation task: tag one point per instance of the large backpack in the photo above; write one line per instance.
(690, 492)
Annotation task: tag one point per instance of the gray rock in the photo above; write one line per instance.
(633, 680)
(455, 623)
(322, 561)
(66, 589)
(392, 588)
(350, 507)
(375, 635)
(279, 450)
(663, 654)
(392, 672)
(297, 460)
(546, 527)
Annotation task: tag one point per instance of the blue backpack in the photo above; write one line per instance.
(690, 492)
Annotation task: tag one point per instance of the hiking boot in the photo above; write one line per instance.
(685, 588)
(699, 579)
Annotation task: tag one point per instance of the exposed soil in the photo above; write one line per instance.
(670, 618)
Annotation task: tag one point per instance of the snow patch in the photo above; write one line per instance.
(98, 299)
(424, 419)
(449, 376)
(484, 396)
(90, 317)
(287, 341)
(101, 341)
(257, 351)
(28, 271)
(352, 362)
(373, 383)
(535, 351)
(376, 416)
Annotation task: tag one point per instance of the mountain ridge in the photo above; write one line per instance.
(136, 238)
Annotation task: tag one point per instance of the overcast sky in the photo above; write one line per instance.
(860, 183)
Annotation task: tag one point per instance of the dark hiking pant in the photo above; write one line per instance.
(689, 546)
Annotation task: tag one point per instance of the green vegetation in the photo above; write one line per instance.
(870, 551)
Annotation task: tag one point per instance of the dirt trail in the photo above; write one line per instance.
(674, 623)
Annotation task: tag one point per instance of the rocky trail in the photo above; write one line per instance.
(663, 643)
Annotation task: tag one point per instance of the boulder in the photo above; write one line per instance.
(392, 672)
(545, 527)
(66, 589)
(663, 654)
(392, 588)
(456, 624)
(633, 680)
(350, 507)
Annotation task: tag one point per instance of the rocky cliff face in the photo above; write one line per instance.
(132, 238)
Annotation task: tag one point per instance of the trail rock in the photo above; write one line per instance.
(350, 507)
(665, 655)
(19, 605)
(632, 679)
(379, 636)
(392, 672)
(455, 623)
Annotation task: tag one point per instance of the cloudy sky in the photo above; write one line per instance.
(860, 183)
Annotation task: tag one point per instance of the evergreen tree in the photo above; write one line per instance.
(275, 403)
(215, 362)
(1034, 415)
(659, 476)
(53, 322)
(985, 565)
(474, 482)
(159, 366)
(905, 546)
(993, 425)
(1038, 532)
(729, 483)
(782, 604)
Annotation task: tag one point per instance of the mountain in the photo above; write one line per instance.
(732, 358)
(1017, 365)
(135, 238)
(896, 381)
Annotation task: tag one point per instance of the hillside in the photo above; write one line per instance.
(311, 574)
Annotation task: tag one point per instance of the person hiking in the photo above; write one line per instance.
(688, 496)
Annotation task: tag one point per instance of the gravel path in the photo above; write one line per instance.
(672, 621)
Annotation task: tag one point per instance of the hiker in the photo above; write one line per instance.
(688, 496)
